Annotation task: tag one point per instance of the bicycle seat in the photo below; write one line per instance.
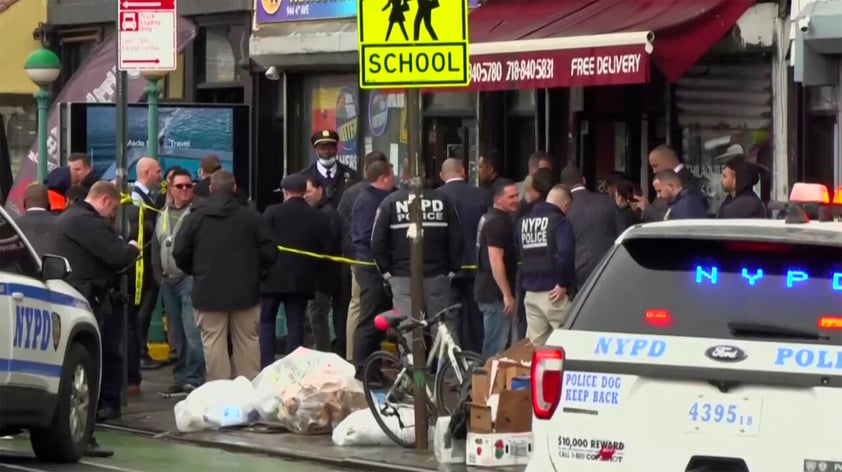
(388, 319)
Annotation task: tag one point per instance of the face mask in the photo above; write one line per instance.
(327, 162)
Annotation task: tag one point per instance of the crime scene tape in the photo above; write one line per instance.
(127, 200)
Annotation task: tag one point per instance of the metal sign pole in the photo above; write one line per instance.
(120, 152)
(419, 353)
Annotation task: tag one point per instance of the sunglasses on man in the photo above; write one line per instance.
(183, 186)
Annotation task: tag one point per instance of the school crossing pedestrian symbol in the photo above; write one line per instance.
(413, 43)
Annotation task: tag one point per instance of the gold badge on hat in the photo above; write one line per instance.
(326, 133)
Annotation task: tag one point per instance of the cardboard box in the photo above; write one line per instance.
(480, 386)
(498, 449)
(514, 412)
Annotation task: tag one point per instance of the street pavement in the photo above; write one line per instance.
(145, 440)
(144, 454)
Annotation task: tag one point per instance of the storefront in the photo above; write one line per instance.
(590, 84)
(815, 54)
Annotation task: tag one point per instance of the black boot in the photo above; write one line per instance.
(93, 449)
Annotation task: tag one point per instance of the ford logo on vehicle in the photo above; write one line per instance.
(726, 353)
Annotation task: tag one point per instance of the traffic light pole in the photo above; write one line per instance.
(416, 234)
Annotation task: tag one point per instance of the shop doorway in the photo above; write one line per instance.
(607, 143)
(446, 137)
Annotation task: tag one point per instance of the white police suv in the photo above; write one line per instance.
(49, 351)
(700, 345)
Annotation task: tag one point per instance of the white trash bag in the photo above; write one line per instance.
(360, 428)
(308, 392)
(217, 404)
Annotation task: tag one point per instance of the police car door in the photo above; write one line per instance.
(29, 358)
(693, 349)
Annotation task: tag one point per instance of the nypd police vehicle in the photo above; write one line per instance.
(701, 345)
(49, 351)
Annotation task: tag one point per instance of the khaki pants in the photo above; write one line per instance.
(543, 316)
(242, 325)
(353, 318)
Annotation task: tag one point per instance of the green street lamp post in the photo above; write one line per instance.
(153, 93)
(43, 68)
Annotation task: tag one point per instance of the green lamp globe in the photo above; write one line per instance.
(42, 66)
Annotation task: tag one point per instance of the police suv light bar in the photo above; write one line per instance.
(809, 200)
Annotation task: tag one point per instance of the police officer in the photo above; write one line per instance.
(443, 247)
(334, 176)
(547, 247)
(85, 236)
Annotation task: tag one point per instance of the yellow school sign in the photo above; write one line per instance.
(413, 43)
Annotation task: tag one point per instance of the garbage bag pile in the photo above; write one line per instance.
(306, 392)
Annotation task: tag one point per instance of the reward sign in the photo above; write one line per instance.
(413, 43)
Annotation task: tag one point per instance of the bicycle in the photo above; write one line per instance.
(391, 401)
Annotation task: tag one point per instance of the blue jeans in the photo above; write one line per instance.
(497, 328)
(190, 367)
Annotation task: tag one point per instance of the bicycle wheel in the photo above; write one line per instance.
(388, 392)
(449, 388)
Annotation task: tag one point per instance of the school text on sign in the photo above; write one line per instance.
(413, 44)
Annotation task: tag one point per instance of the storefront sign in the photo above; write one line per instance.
(278, 11)
(560, 68)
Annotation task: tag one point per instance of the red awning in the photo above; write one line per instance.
(563, 43)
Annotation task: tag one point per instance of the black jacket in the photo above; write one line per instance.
(554, 263)
(745, 203)
(346, 203)
(296, 225)
(149, 218)
(443, 243)
(344, 179)
(37, 227)
(596, 222)
(226, 247)
(470, 203)
(91, 244)
(687, 205)
(339, 244)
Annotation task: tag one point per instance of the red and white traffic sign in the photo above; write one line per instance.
(147, 35)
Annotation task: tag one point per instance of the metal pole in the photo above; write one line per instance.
(122, 110)
(42, 99)
(152, 94)
(416, 270)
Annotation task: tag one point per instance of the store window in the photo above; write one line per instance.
(329, 102)
(385, 126)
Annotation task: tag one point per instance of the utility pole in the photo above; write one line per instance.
(153, 93)
(120, 157)
(416, 234)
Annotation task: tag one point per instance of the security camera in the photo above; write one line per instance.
(272, 73)
(804, 24)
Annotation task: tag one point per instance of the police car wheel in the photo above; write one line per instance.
(73, 421)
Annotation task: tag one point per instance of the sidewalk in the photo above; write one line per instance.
(152, 414)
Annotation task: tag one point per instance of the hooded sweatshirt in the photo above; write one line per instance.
(744, 203)
(227, 248)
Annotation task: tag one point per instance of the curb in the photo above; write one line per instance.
(355, 464)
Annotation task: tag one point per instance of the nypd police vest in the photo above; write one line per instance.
(536, 238)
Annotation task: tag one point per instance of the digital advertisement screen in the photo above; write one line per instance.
(186, 133)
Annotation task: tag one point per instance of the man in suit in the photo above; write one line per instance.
(470, 203)
(37, 219)
(664, 157)
(489, 168)
(335, 176)
(292, 280)
(596, 223)
(329, 283)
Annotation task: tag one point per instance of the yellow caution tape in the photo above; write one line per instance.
(127, 199)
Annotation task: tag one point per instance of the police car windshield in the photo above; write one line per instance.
(703, 288)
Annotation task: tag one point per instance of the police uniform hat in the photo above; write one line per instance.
(294, 183)
(324, 136)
